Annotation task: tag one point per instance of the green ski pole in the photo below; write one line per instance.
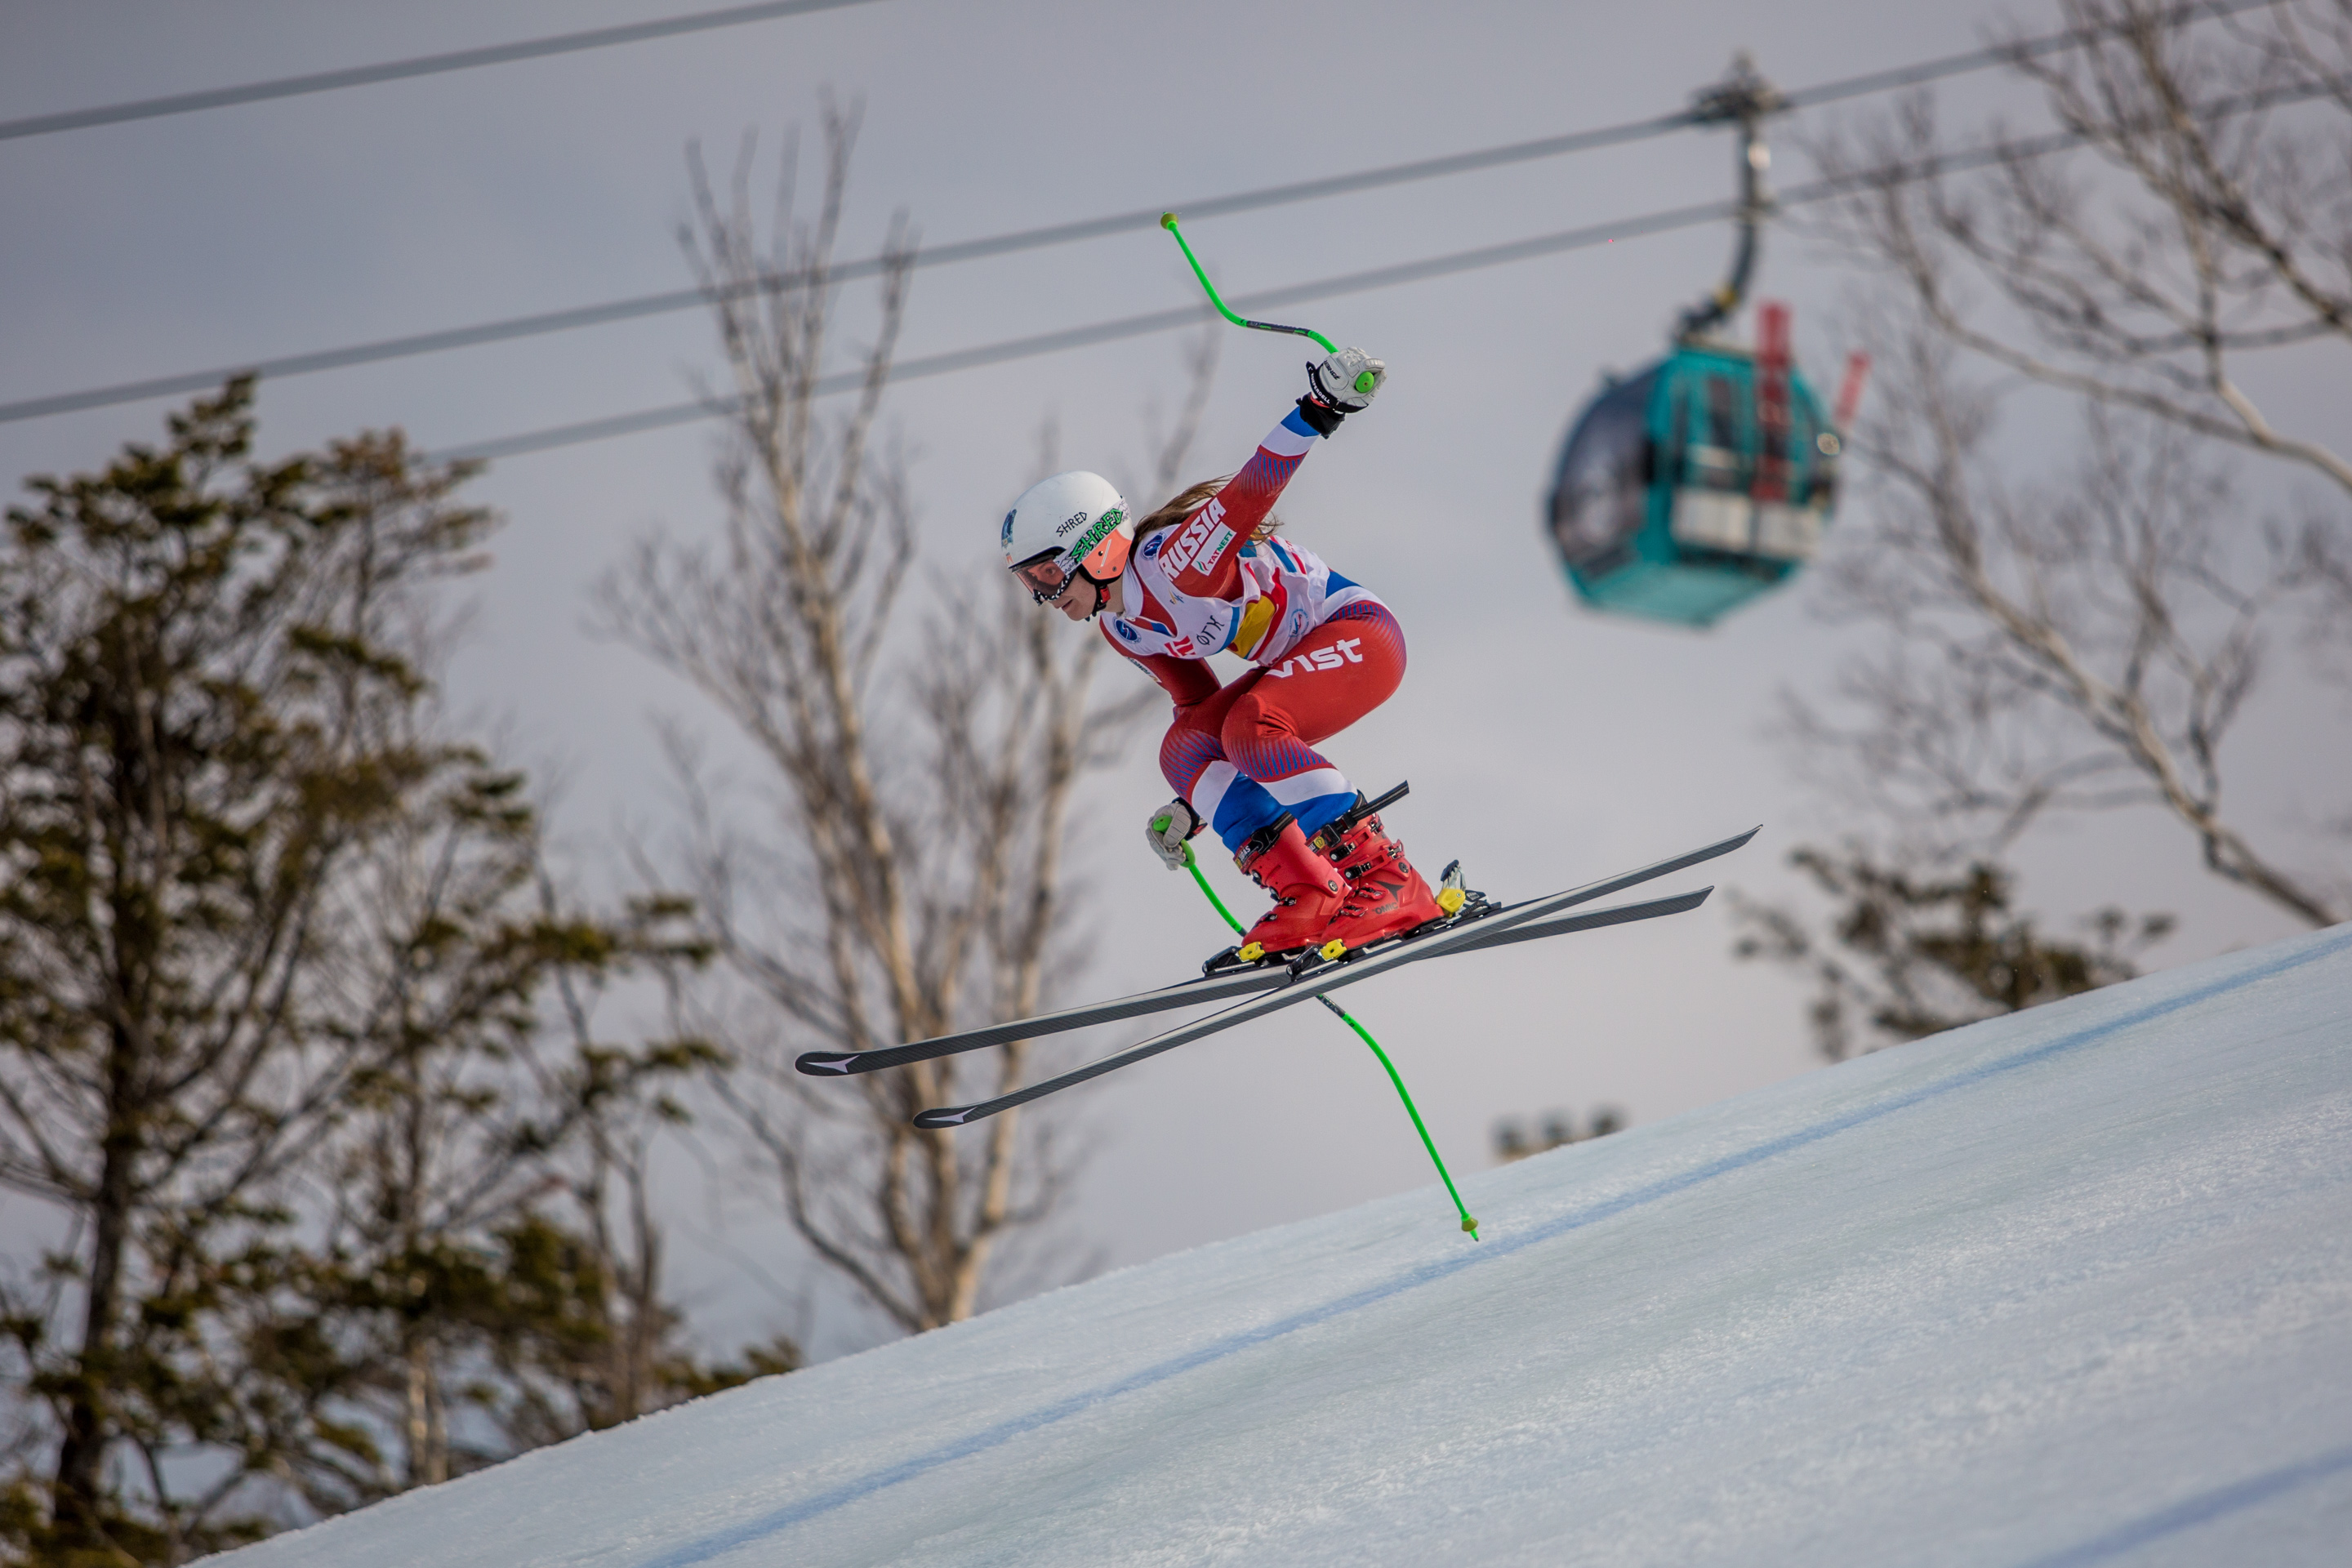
(1409, 1110)
(1364, 383)
(1193, 864)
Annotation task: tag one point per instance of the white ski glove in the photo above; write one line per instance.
(1348, 381)
(1166, 832)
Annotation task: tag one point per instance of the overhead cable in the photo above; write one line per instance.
(1135, 219)
(2000, 54)
(1153, 321)
(426, 65)
(1457, 261)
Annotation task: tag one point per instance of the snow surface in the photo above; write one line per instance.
(2070, 1287)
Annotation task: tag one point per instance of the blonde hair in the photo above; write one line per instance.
(1190, 499)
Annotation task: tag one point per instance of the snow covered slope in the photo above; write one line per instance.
(2072, 1286)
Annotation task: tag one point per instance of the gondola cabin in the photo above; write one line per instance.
(1707, 478)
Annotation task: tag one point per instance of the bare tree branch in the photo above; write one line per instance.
(2091, 644)
(2223, 225)
(911, 878)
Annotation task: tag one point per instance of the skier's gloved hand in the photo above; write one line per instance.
(1348, 380)
(1166, 832)
(1342, 385)
(1345, 382)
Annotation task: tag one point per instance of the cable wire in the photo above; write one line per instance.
(1134, 219)
(398, 70)
(1349, 283)
(1153, 321)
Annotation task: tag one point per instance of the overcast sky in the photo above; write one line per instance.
(1546, 746)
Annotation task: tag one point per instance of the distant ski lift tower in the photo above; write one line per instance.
(1706, 478)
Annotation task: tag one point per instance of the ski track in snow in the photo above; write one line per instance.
(1802, 1345)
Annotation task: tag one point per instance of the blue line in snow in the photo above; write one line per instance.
(2199, 1510)
(728, 1540)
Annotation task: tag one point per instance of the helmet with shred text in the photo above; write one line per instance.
(1072, 525)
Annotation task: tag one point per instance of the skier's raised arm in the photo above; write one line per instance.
(1201, 558)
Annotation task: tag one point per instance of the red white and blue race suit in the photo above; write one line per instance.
(1326, 652)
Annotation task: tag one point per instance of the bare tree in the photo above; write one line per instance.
(914, 878)
(2214, 223)
(2090, 641)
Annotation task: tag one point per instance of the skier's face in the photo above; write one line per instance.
(1076, 600)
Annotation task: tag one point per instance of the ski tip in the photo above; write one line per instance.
(827, 1064)
(944, 1116)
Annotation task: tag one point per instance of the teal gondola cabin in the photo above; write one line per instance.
(1698, 483)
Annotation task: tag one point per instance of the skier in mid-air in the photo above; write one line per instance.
(1206, 574)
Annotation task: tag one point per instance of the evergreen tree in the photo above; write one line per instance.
(275, 955)
(1909, 954)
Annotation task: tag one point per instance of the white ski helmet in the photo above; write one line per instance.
(1072, 525)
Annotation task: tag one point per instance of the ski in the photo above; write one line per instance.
(1209, 988)
(1185, 994)
(1513, 923)
(1591, 920)
(1215, 986)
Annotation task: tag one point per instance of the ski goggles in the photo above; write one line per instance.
(1044, 575)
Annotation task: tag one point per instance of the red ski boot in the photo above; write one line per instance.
(1306, 891)
(1385, 894)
